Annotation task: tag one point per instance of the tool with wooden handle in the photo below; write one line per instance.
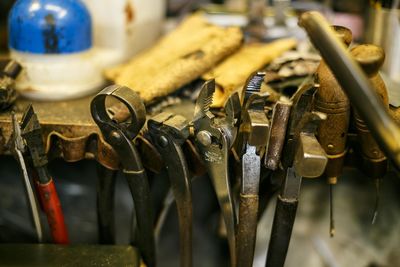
(356, 84)
(253, 133)
(374, 162)
(332, 133)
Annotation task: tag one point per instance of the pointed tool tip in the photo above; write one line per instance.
(332, 232)
(374, 218)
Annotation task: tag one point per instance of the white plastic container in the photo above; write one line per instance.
(122, 28)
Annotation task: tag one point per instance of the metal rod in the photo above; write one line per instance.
(355, 83)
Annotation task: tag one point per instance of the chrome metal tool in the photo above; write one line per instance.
(214, 138)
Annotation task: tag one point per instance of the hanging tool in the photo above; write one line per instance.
(45, 186)
(332, 133)
(8, 94)
(120, 136)
(169, 132)
(280, 119)
(106, 179)
(374, 162)
(355, 83)
(214, 138)
(304, 157)
(254, 128)
(18, 149)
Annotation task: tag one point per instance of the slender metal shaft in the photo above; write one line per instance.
(31, 198)
(355, 83)
(331, 212)
(377, 191)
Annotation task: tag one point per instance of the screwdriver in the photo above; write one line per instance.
(332, 133)
(374, 162)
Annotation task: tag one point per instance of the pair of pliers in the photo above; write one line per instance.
(28, 138)
(169, 132)
(214, 138)
(120, 135)
(252, 138)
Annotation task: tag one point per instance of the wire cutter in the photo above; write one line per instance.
(120, 136)
(45, 186)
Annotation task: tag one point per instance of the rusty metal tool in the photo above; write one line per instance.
(355, 83)
(304, 157)
(374, 161)
(214, 138)
(120, 136)
(332, 133)
(8, 94)
(48, 197)
(18, 149)
(253, 132)
(169, 132)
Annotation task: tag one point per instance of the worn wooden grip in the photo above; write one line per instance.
(331, 100)
(247, 230)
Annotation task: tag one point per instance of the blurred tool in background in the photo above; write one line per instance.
(384, 30)
(374, 162)
(8, 93)
(332, 133)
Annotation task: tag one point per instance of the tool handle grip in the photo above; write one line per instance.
(51, 206)
(285, 214)
(247, 230)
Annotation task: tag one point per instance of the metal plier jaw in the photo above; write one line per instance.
(214, 137)
(169, 132)
(254, 128)
(120, 136)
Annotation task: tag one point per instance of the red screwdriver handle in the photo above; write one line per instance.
(51, 206)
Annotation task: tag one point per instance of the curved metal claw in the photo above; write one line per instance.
(204, 101)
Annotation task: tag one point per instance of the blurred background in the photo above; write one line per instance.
(357, 242)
